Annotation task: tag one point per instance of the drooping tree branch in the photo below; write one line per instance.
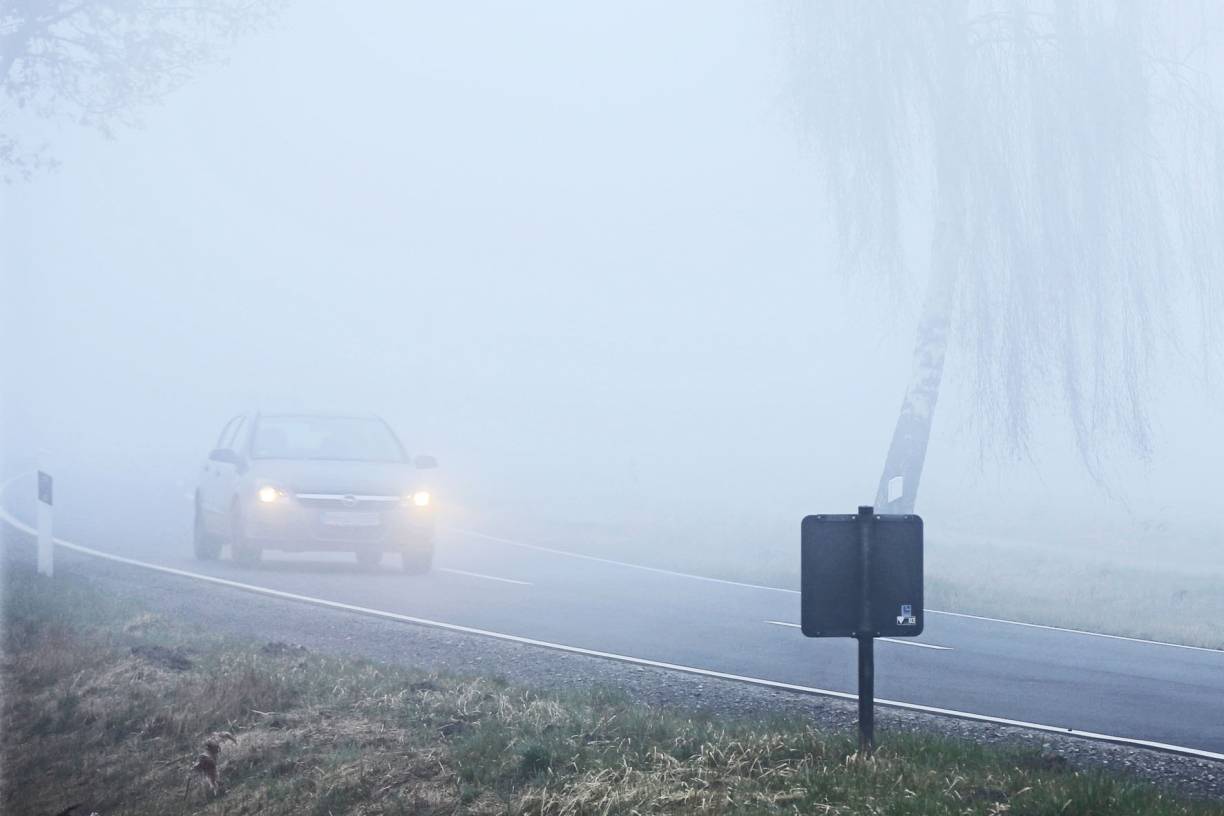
(1092, 164)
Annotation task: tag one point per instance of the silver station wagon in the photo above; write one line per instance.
(314, 483)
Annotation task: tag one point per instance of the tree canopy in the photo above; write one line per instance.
(98, 63)
(1076, 151)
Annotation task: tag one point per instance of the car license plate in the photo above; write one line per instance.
(341, 518)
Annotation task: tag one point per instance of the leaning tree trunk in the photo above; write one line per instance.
(907, 451)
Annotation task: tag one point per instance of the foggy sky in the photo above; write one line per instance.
(578, 254)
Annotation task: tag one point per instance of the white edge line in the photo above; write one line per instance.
(630, 565)
(1050, 628)
(638, 661)
(766, 588)
(916, 643)
(885, 639)
(485, 577)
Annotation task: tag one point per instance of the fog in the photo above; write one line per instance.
(584, 255)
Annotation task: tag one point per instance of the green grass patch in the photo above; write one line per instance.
(110, 706)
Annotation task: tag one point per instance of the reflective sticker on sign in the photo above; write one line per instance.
(906, 618)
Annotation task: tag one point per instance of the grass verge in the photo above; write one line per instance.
(109, 706)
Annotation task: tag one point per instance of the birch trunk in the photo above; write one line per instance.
(908, 448)
(907, 451)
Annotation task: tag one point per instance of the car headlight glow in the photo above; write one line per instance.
(268, 494)
(421, 498)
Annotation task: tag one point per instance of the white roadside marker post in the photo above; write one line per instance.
(896, 488)
(46, 564)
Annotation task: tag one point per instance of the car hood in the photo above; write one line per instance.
(345, 478)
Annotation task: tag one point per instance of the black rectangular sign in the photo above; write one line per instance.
(44, 487)
(832, 575)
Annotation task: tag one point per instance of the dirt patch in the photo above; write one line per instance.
(169, 658)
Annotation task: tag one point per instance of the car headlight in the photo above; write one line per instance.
(420, 498)
(269, 494)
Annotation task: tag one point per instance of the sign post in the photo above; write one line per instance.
(46, 565)
(866, 640)
(862, 578)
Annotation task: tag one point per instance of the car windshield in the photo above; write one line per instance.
(336, 438)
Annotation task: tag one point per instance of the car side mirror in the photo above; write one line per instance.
(225, 455)
(424, 462)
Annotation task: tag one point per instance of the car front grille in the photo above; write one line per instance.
(342, 504)
(346, 501)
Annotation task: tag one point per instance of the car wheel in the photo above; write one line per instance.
(243, 551)
(369, 559)
(206, 547)
(418, 562)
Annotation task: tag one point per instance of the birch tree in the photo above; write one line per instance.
(98, 63)
(1063, 161)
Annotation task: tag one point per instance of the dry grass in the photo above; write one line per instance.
(110, 707)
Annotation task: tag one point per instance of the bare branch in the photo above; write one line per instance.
(98, 62)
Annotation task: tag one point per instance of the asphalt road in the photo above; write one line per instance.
(1117, 687)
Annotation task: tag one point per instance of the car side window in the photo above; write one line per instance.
(227, 433)
(234, 442)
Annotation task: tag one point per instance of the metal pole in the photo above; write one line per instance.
(866, 693)
(866, 636)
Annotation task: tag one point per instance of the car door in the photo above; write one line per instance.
(228, 473)
(214, 478)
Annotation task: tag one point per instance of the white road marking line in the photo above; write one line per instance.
(916, 643)
(1076, 631)
(889, 640)
(486, 577)
(692, 577)
(598, 559)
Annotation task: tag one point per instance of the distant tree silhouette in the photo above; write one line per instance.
(99, 62)
(1065, 162)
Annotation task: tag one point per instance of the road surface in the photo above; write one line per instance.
(1118, 687)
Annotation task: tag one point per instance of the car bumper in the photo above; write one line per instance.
(293, 527)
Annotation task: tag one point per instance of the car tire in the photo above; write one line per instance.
(369, 559)
(241, 548)
(418, 562)
(205, 546)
